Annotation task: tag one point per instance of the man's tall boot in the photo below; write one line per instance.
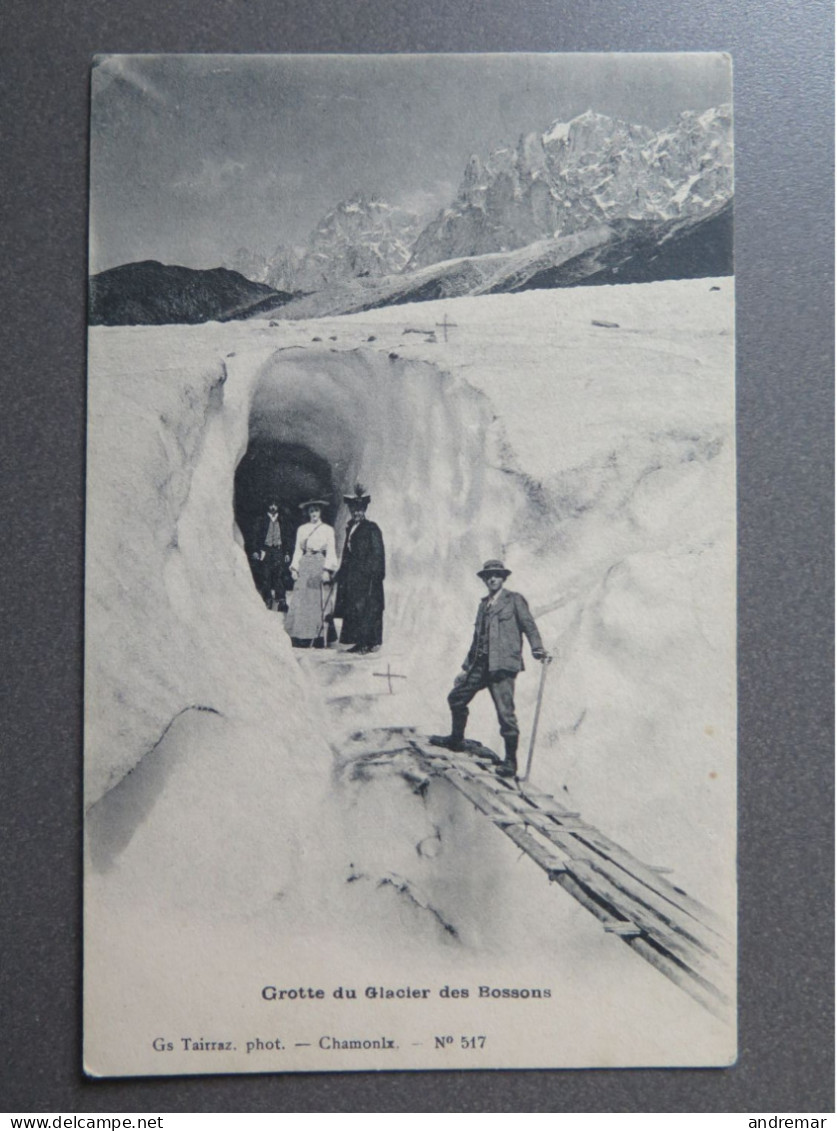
(508, 769)
(456, 739)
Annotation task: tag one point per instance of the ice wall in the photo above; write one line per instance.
(194, 694)
(603, 476)
(431, 451)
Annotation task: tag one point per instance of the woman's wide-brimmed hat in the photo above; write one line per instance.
(493, 566)
(314, 503)
(359, 499)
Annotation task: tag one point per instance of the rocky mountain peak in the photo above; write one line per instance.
(361, 236)
(590, 170)
(578, 174)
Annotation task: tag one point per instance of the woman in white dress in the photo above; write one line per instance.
(312, 567)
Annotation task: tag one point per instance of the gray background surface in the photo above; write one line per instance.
(783, 59)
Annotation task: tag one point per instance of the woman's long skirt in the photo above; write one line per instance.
(310, 603)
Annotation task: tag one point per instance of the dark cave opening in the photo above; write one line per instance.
(285, 473)
(321, 422)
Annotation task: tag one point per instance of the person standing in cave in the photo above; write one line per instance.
(309, 621)
(269, 559)
(493, 661)
(360, 579)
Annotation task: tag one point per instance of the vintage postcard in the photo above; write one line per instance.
(410, 599)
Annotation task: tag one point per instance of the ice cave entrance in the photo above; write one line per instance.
(428, 449)
(285, 473)
(305, 433)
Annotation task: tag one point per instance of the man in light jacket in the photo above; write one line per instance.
(493, 661)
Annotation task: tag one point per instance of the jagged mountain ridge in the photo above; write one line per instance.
(155, 294)
(593, 200)
(592, 170)
(358, 238)
(625, 251)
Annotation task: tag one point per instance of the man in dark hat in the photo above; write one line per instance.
(360, 579)
(269, 559)
(494, 659)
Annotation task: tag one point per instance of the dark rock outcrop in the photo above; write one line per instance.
(154, 294)
(644, 252)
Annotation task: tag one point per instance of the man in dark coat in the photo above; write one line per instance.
(360, 579)
(493, 661)
(270, 570)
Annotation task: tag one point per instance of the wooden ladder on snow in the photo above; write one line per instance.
(634, 901)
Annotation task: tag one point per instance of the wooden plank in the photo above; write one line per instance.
(653, 879)
(625, 930)
(690, 980)
(594, 879)
(681, 934)
(645, 873)
(682, 964)
(698, 914)
(537, 796)
(608, 920)
(507, 804)
(692, 930)
(545, 828)
(679, 947)
(665, 930)
(551, 864)
(629, 906)
(697, 987)
(647, 888)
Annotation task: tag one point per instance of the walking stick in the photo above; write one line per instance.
(322, 630)
(544, 665)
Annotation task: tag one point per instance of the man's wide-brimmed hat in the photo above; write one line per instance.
(493, 566)
(359, 499)
(314, 503)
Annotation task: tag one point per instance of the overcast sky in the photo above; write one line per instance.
(195, 156)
